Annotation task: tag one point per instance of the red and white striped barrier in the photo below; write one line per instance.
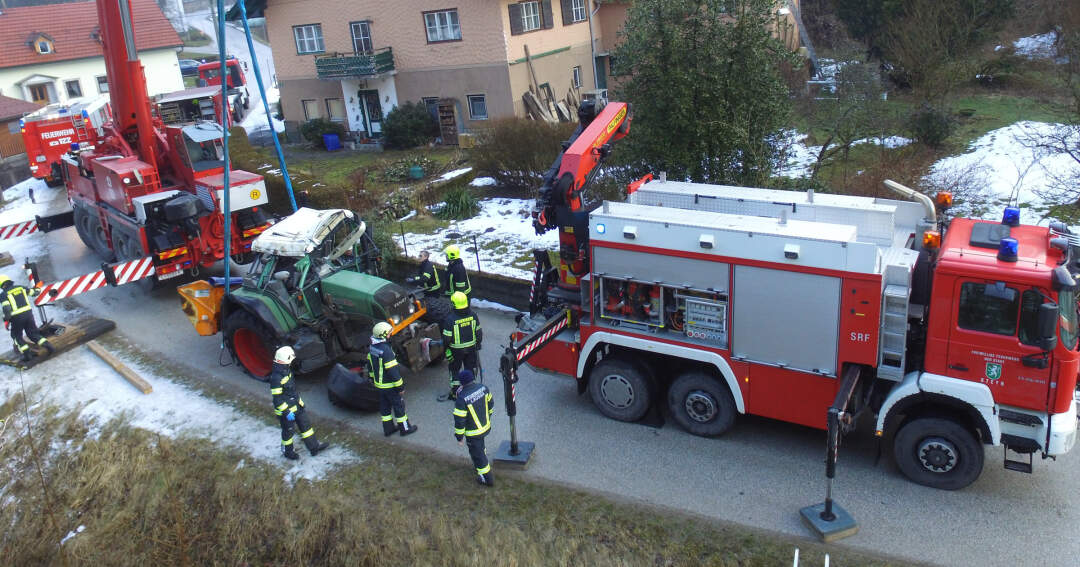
(18, 229)
(542, 339)
(122, 273)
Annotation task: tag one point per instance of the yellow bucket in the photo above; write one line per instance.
(201, 302)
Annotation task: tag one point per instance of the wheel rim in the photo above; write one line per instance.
(252, 352)
(700, 406)
(937, 455)
(617, 391)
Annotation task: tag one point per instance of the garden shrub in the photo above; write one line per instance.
(313, 130)
(517, 152)
(460, 203)
(398, 170)
(408, 126)
(931, 125)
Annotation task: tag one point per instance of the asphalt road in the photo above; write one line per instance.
(235, 44)
(760, 474)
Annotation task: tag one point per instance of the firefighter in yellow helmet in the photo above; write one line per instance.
(387, 379)
(19, 317)
(462, 336)
(457, 279)
(290, 408)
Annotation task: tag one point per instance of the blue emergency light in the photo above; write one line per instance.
(85, 114)
(600, 228)
(75, 147)
(1008, 250)
(1011, 216)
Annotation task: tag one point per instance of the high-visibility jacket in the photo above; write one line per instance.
(461, 330)
(457, 278)
(16, 300)
(283, 389)
(383, 365)
(429, 277)
(472, 411)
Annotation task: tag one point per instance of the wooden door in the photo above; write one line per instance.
(448, 122)
(39, 93)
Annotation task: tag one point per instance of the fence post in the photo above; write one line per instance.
(476, 250)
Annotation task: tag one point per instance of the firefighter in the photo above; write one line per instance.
(387, 379)
(457, 279)
(19, 317)
(463, 337)
(427, 275)
(290, 408)
(472, 421)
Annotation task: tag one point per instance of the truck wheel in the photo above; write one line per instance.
(938, 453)
(93, 235)
(251, 343)
(80, 227)
(701, 404)
(620, 390)
(128, 248)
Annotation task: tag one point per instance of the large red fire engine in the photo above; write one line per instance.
(49, 133)
(723, 300)
(152, 191)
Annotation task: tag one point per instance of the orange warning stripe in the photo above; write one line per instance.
(255, 231)
(172, 253)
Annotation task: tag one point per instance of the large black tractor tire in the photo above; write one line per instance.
(251, 343)
(701, 404)
(620, 389)
(438, 308)
(938, 452)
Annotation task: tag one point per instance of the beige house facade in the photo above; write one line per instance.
(469, 61)
(354, 60)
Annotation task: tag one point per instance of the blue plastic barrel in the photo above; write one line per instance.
(331, 141)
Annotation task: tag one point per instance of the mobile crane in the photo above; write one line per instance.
(812, 309)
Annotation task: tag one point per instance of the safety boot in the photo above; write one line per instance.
(288, 452)
(28, 355)
(407, 428)
(314, 446)
(48, 346)
(388, 428)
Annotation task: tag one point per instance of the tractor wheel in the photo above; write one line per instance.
(701, 404)
(938, 452)
(251, 343)
(438, 309)
(620, 390)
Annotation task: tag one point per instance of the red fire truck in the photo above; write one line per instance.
(48, 133)
(239, 98)
(812, 309)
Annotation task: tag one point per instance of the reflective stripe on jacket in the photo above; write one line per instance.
(472, 411)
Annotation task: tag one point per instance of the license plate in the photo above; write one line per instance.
(169, 275)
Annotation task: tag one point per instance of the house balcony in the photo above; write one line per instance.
(350, 65)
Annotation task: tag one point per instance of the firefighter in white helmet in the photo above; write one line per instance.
(290, 408)
(387, 379)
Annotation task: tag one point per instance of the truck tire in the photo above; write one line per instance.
(128, 247)
(80, 227)
(938, 452)
(93, 234)
(251, 343)
(438, 309)
(621, 390)
(701, 404)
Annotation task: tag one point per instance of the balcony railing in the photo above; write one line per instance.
(347, 65)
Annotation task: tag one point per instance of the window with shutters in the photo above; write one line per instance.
(442, 26)
(574, 11)
(530, 16)
(309, 39)
(361, 37)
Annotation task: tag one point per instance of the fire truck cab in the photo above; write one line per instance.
(729, 300)
(50, 132)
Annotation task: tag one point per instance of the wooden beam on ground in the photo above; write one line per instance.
(6, 259)
(120, 367)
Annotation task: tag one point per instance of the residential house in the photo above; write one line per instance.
(13, 164)
(354, 60)
(52, 53)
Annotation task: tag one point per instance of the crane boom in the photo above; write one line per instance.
(127, 80)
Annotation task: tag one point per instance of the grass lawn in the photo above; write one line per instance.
(146, 499)
(334, 168)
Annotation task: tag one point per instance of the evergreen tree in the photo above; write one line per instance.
(704, 78)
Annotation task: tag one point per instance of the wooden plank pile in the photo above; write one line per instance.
(540, 102)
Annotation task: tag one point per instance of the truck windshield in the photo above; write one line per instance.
(206, 154)
(1068, 320)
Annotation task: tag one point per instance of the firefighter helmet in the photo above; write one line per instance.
(382, 330)
(285, 355)
(4, 281)
(460, 300)
(452, 252)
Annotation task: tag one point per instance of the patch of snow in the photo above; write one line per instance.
(485, 304)
(1037, 46)
(483, 182)
(797, 159)
(455, 173)
(72, 534)
(891, 142)
(411, 214)
(503, 231)
(256, 116)
(1002, 162)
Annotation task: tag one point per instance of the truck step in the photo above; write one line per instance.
(1019, 418)
(63, 338)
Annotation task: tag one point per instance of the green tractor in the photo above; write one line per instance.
(314, 285)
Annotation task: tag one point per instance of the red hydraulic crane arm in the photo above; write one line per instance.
(579, 163)
(127, 81)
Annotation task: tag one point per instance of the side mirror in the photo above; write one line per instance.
(1061, 279)
(1047, 326)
